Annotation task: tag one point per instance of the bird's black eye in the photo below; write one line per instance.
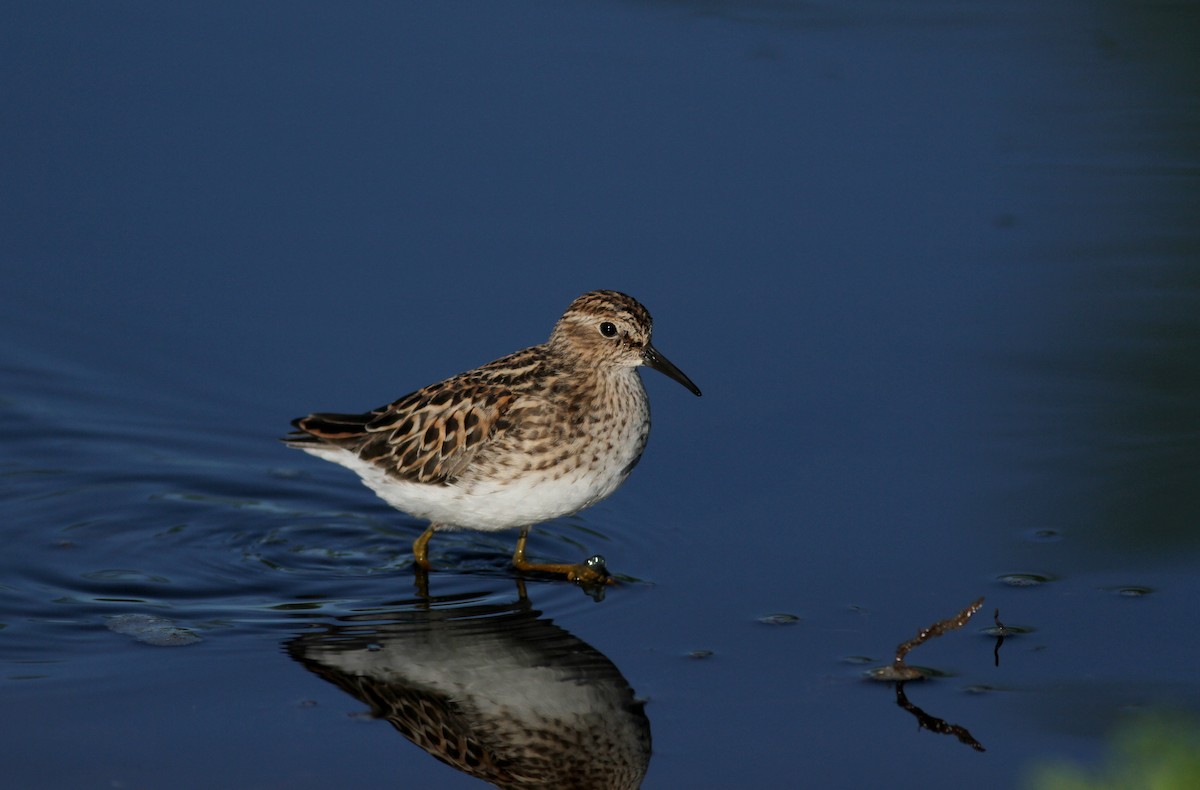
(608, 329)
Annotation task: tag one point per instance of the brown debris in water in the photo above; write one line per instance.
(900, 670)
(937, 629)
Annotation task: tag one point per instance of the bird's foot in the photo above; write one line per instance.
(591, 572)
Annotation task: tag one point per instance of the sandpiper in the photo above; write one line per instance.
(533, 436)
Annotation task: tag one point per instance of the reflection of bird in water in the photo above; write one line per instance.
(491, 690)
(539, 434)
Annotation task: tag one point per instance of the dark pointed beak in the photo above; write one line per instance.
(663, 365)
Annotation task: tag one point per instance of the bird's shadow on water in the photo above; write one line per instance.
(486, 684)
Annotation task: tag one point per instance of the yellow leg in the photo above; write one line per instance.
(590, 571)
(421, 547)
(421, 582)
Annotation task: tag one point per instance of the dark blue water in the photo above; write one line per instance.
(935, 268)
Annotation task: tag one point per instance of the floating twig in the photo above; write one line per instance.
(937, 629)
(901, 671)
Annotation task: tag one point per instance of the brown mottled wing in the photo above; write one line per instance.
(429, 436)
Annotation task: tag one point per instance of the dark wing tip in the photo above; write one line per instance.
(299, 439)
(330, 427)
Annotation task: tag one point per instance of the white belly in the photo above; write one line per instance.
(486, 505)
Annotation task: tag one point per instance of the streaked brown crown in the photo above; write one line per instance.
(578, 333)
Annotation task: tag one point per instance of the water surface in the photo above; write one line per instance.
(935, 269)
